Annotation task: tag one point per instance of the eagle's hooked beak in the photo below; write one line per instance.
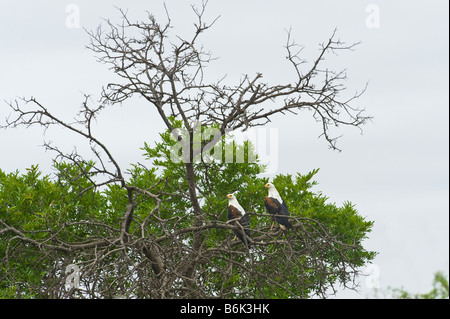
(266, 186)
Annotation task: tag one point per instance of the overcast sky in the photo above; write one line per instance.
(396, 172)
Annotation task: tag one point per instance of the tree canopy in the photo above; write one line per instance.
(159, 229)
(49, 223)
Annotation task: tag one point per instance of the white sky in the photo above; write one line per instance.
(396, 172)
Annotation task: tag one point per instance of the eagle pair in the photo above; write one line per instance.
(275, 205)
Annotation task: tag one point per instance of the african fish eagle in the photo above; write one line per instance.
(235, 211)
(276, 206)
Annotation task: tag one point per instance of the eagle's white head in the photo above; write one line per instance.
(273, 191)
(232, 200)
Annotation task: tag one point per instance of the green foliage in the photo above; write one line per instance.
(42, 209)
(24, 202)
(68, 209)
(440, 290)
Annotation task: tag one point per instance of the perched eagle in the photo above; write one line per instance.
(236, 211)
(277, 207)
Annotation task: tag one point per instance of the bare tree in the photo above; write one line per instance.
(175, 260)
